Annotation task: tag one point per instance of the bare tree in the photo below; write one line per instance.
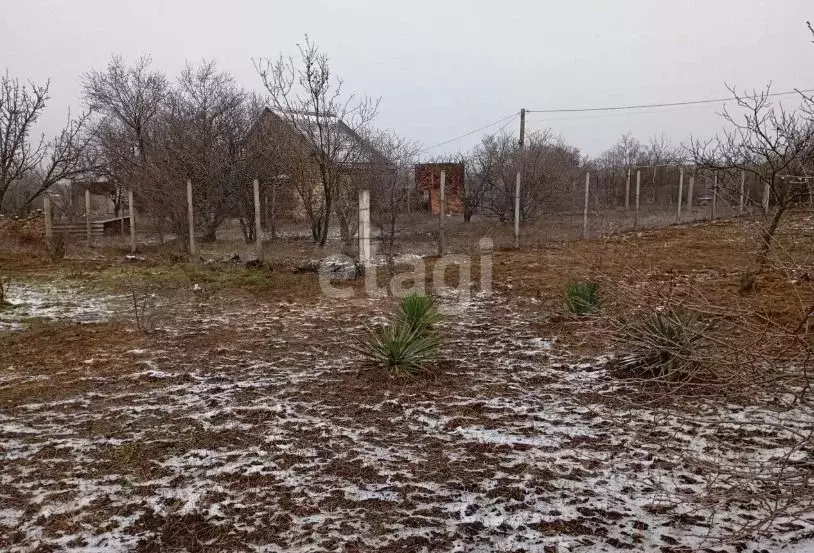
(768, 142)
(127, 99)
(388, 179)
(132, 96)
(548, 173)
(492, 169)
(304, 94)
(201, 134)
(23, 159)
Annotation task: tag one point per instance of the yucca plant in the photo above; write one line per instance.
(663, 345)
(401, 349)
(581, 297)
(418, 312)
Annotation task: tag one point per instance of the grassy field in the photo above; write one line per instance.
(238, 417)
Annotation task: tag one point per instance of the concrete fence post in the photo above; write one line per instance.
(88, 233)
(714, 195)
(680, 193)
(190, 218)
(585, 208)
(767, 191)
(132, 207)
(691, 193)
(442, 235)
(49, 223)
(364, 227)
(258, 226)
(638, 194)
(627, 190)
(742, 194)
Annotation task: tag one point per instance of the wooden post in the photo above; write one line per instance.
(364, 227)
(49, 223)
(585, 209)
(766, 197)
(638, 193)
(680, 193)
(627, 190)
(714, 194)
(743, 190)
(132, 209)
(442, 237)
(87, 216)
(190, 218)
(258, 226)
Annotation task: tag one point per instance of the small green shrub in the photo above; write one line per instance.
(254, 278)
(409, 341)
(581, 298)
(418, 312)
(664, 345)
(402, 350)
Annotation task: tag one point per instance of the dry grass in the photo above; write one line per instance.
(243, 420)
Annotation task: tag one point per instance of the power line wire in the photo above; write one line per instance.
(470, 133)
(663, 105)
(507, 120)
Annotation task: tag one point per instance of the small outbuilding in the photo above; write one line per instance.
(428, 182)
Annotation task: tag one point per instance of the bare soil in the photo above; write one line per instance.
(242, 420)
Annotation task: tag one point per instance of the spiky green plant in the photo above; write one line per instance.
(581, 297)
(663, 345)
(418, 312)
(402, 350)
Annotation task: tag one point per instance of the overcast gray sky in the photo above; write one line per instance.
(443, 68)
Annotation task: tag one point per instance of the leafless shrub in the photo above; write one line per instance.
(56, 247)
(143, 304)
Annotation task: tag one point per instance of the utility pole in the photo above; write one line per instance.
(518, 178)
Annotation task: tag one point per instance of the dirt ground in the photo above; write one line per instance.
(239, 417)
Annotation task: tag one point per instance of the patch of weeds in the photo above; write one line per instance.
(663, 345)
(409, 341)
(581, 297)
(253, 278)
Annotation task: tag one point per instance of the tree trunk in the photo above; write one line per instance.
(749, 278)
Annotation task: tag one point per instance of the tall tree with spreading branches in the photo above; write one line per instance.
(38, 162)
(304, 93)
